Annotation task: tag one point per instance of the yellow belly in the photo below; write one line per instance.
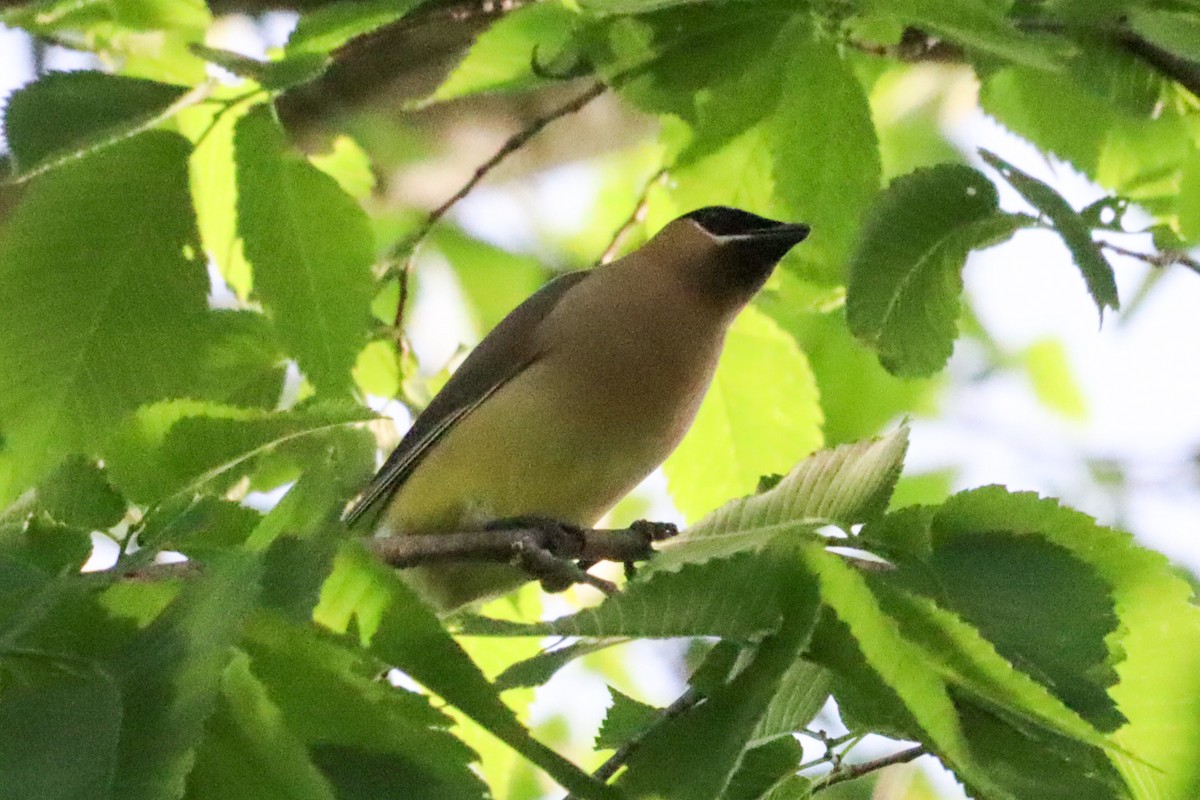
(537, 447)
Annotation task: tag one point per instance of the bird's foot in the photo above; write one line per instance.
(548, 553)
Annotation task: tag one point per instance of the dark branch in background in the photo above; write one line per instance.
(636, 216)
(510, 146)
(400, 258)
(848, 773)
(916, 45)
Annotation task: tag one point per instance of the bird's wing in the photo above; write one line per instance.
(505, 352)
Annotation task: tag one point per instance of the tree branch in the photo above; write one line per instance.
(1161, 260)
(637, 215)
(849, 773)
(510, 146)
(547, 552)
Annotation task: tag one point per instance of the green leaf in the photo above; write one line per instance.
(825, 155)
(1189, 200)
(329, 27)
(538, 669)
(747, 428)
(494, 280)
(1057, 115)
(65, 116)
(277, 76)
(762, 768)
(52, 548)
(171, 446)
(1049, 372)
(102, 311)
(906, 274)
(1075, 233)
(1177, 32)
(395, 626)
(248, 749)
(78, 493)
(999, 558)
(170, 674)
(802, 693)
(897, 662)
(981, 25)
(625, 719)
(843, 486)
(964, 658)
(503, 57)
(61, 726)
(349, 165)
(695, 755)
(311, 248)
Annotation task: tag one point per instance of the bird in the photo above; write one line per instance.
(575, 397)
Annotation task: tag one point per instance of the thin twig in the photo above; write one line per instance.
(510, 146)
(1161, 260)
(849, 773)
(635, 217)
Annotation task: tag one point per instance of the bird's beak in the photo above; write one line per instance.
(785, 234)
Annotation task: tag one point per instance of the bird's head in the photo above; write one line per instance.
(726, 252)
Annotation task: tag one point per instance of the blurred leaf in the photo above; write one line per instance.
(64, 116)
(825, 155)
(978, 24)
(51, 547)
(1189, 200)
(503, 56)
(244, 364)
(858, 396)
(747, 428)
(327, 28)
(625, 719)
(248, 749)
(102, 310)
(1049, 372)
(277, 75)
(377, 370)
(1070, 226)
(78, 493)
(1177, 32)
(213, 183)
(171, 674)
(311, 250)
(494, 280)
(349, 165)
(906, 275)
(1057, 115)
(61, 727)
(396, 627)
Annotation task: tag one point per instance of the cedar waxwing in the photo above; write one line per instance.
(577, 395)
